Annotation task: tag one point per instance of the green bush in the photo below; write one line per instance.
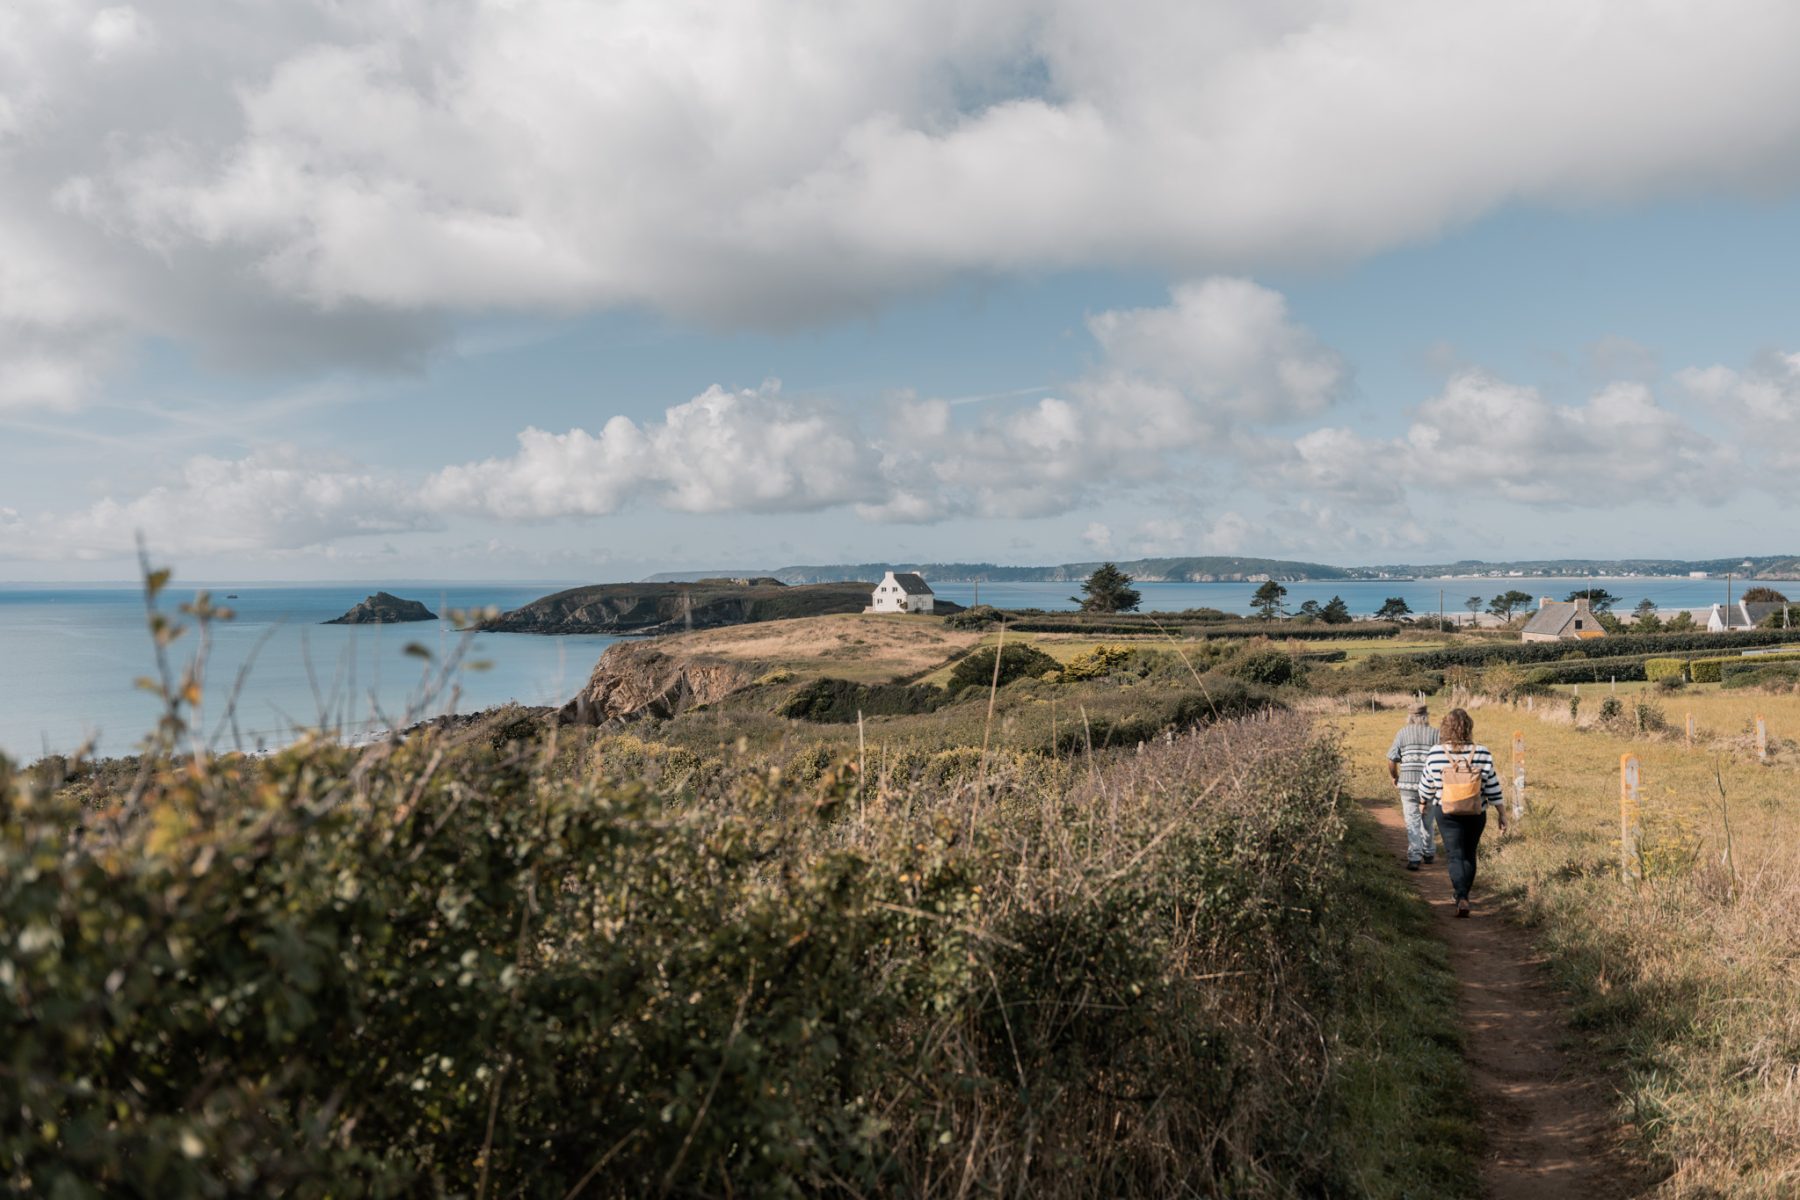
(1270, 668)
(981, 616)
(1782, 676)
(1712, 670)
(1662, 668)
(838, 701)
(1017, 661)
(1648, 645)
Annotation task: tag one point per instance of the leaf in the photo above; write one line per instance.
(156, 581)
(416, 650)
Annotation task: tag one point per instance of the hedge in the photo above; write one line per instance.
(1646, 644)
(1712, 670)
(1659, 668)
(1178, 625)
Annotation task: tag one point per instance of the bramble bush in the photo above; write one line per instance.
(430, 967)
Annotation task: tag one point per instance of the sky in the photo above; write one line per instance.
(588, 289)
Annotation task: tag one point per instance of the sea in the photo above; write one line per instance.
(69, 654)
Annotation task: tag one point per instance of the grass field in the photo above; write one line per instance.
(1688, 981)
(865, 648)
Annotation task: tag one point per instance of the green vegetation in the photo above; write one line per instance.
(843, 701)
(1508, 603)
(1270, 600)
(1108, 590)
(1016, 661)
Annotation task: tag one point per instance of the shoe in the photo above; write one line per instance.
(1412, 864)
(1462, 908)
(1429, 859)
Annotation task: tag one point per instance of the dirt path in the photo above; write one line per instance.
(1549, 1135)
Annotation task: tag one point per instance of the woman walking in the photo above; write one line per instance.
(1460, 783)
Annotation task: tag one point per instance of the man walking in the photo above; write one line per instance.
(1406, 761)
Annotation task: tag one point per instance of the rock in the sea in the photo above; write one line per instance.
(384, 608)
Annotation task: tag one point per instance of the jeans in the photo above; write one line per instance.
(1462, 843)
(1419, 821)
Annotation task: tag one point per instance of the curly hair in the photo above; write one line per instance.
(1457, 728)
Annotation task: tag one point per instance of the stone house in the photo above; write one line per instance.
(1562, 620)
(905, 592)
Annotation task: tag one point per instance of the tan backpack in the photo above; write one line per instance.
(1460, 795)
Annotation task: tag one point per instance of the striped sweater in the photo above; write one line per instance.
(1431, 779)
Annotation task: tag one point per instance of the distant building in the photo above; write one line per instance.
(905, 592)
(1697, 575)
(1562, 620)
(1740, 615)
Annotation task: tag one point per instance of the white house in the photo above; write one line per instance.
(905, 592)
(1740, 615)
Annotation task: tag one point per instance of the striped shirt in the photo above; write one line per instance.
(1431, 779)
(1409, 748)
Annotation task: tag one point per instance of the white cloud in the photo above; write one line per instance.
(1482, 434)
(747, 451)
(1762, 402)
(325, 182)
(269, 501)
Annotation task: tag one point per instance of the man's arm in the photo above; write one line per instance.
(1394, 755)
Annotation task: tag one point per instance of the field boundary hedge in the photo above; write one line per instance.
(1648, 645)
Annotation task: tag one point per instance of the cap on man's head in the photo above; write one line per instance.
(1421, 710)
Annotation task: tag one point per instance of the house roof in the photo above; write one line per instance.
(911, 583)
(1552, 618)
(1756, 610)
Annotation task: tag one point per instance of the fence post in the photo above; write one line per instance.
(1518, 804)
(1690, 733)
(1762, 740)
(1628, 818)
(1530, 704)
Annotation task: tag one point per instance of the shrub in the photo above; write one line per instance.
(1270, 668)
(1612, 712)
(837, 701)
(1650, 717)
(1017, 661)
(1712, 670)
(1671, 683)
(981, 616)
(1649, 645)
(1773, 676)
(1097, 663)
(1656, 669)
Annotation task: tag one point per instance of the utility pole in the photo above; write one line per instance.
(1728, 600)
(1440, 610)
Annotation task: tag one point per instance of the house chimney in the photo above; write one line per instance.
(1543, 602)
(1581, 602)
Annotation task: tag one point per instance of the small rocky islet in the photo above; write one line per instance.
(384, 608)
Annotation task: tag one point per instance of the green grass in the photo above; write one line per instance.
(1402, 1085)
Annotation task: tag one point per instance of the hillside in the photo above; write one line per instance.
(654, 608)
(1205, 569)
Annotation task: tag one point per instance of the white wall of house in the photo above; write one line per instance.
(891, 597)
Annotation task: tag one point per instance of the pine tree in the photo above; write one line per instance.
(1270, 600)
(1335, 612)
(1394, 608)
(1108, 590)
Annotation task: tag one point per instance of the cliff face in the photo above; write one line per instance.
(656, 608)
(384, 608)
(634, 680)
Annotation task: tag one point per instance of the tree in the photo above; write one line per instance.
(1508, 602)
(1761, 594)
(1785, 617)
(1310, 610)
(1473, 604)
(1681, 622)
(1270, 600)
(1644, 618)
(1335, 612)
(1108, 590)
(1394, 608)
(1599, 599)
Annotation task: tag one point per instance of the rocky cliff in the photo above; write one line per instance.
(636, 679)
(384, 608)
(657, 608)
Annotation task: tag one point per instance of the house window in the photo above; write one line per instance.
(1578, 622)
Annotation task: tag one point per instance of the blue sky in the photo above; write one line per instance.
(396, 293)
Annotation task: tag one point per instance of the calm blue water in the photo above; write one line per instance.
(1363, 597)
(68, 657)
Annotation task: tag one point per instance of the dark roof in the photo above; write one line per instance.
(1756, 610)
(1552, 618)
(913, 584)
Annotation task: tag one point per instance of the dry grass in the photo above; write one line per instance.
(1690, 981)
(862, 647)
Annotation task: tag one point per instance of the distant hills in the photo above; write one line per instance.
(1214, 568)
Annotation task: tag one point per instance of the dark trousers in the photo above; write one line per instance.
(1462, 843)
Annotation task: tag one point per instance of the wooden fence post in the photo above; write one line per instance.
(1690, 733)
(1628, 818)
(1762, 740)
(1518, 804)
